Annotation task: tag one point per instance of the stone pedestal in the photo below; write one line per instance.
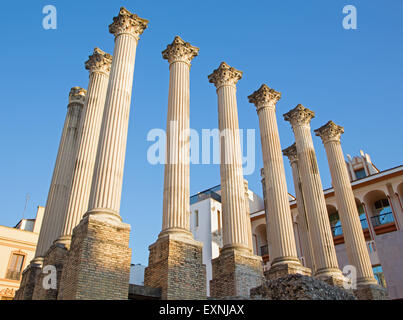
(175, 266)
(55, 256)
(282, 270)
(28, 280)
(98, 263)
(371, 292)
(235, 273)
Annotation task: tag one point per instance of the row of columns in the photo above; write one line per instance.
(317, 242)
(88, 174)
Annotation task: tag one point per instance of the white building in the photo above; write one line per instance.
(206, 222)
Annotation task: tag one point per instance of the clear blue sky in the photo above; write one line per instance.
(353, 77)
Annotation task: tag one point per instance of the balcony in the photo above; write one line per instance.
(382, 219)
(13, 275)
(205, 195)
(264, 250)
(338, 230)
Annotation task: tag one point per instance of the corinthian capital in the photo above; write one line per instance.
(291, 153)
(225, 76)
(299, 116)
(77, 95)
(330, 132)
(99, 61)
(181, 51)
(264, 97)
(129, 23)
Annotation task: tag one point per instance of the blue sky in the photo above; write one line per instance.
(353, 77)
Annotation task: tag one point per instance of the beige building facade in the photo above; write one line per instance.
(17, 249)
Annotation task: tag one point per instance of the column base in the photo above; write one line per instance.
(333, 277)
(98, 264)
(176, 267)
(55, 256)
(28, 280)
(235, 272)
(371, 292)
(281, 270)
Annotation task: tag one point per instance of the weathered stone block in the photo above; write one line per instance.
(285, 269)
(28, 281)
(371, 292)
(176, 266)
(98, 263)
(299, 287)
(235, 272)
(55, 256)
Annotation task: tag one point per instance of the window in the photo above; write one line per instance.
(383, 213)
(378, 273)
(196, 218)
(360, 173)
(335, 224)
(15, 266)
(219, 220)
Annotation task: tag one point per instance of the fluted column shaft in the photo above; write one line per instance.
(58, 195)
(280, 231)
(321, 236)
(232, 182)
(99, 66)
(353, 235)
(176, 206)
(306, 244)
(232, 193)
(107, 180)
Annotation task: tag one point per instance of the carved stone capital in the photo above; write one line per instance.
(129, 23)
(299, 116)
(291, 153)
(99, 61)
(225, 76)
(77, 95)
(264, 97)
(180, 51)
(330, 132)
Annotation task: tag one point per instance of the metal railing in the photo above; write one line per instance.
(338, 230)
(264, 250)
(13, 275)
(205, 195)
(382, 219)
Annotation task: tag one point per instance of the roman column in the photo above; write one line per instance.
(101, 238)
(235, 254)
(99, 65)
(291, 154)
(176, 255)
(58, 195)
(354, 239)
(325, 258)
(284, 256)
(58, 192)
